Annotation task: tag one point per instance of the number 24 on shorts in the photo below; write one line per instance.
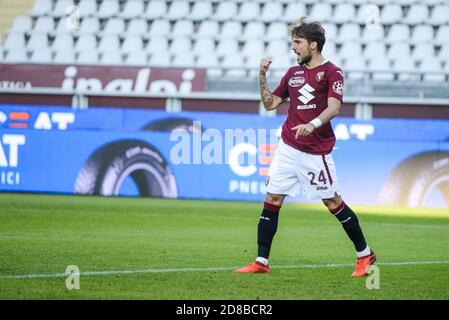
(321, 178)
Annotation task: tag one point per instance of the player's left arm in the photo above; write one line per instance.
(333, 107)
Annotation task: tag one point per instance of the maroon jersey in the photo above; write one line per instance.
(308, 90)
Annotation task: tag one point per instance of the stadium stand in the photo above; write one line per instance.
(382, 40)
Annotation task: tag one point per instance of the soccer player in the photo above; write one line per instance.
(303, 159)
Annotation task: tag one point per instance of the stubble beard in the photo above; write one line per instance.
(305, 60)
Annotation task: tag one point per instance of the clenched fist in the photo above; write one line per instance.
(264, 65)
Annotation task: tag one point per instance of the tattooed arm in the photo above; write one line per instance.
(269, 100)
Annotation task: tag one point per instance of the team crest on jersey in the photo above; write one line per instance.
(337, 86)
(320, 76)
(296, 81)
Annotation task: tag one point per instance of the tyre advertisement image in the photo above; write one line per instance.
(203, 155)
(412, 181)
(106, 170)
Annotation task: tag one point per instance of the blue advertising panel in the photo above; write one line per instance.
(210, 155)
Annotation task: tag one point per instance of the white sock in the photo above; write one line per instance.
(262, 260)
(363, 253)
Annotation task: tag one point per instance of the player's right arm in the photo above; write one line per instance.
(269, 100)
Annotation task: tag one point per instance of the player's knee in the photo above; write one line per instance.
(275, 199)
(332, 203)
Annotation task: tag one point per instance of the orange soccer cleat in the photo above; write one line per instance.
(254, 267)
(363, 264)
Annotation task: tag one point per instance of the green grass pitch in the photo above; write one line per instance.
(135, 248)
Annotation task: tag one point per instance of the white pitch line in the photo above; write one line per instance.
(301, 266)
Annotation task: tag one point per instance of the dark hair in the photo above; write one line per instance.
(311, 31)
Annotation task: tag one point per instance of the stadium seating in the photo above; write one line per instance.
(432, 70)
(272, 11)
(137, 58)
(155, 10)
(254, 30)
(114, 26)
(355, 68)
(111, 58)
(375, 50)
(87, 8)
(249, 11)
(63, 41)
(41, 55)
(157, 44)
(88, 57)
(181, 45)
(344, 13)
(225, 11)
(350, 49)
(159, 60)
(22, 24)
(137, 27)
(109, 43)
(44, 24)
(381, 69)
(293, 10)
(201, 10)
(233, 35)
(60, 8)
(132, 44)
(374, 33)
(86, 42)
(64, 57)
(40, 8)
(37, 40)
(405, 67)
(132, 9)
(15, 41)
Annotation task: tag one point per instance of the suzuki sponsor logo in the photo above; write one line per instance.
(306, 94)
(306, 106)
(305, 97)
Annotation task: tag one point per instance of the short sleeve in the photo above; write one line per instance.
(336, 83)
(282, 89)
